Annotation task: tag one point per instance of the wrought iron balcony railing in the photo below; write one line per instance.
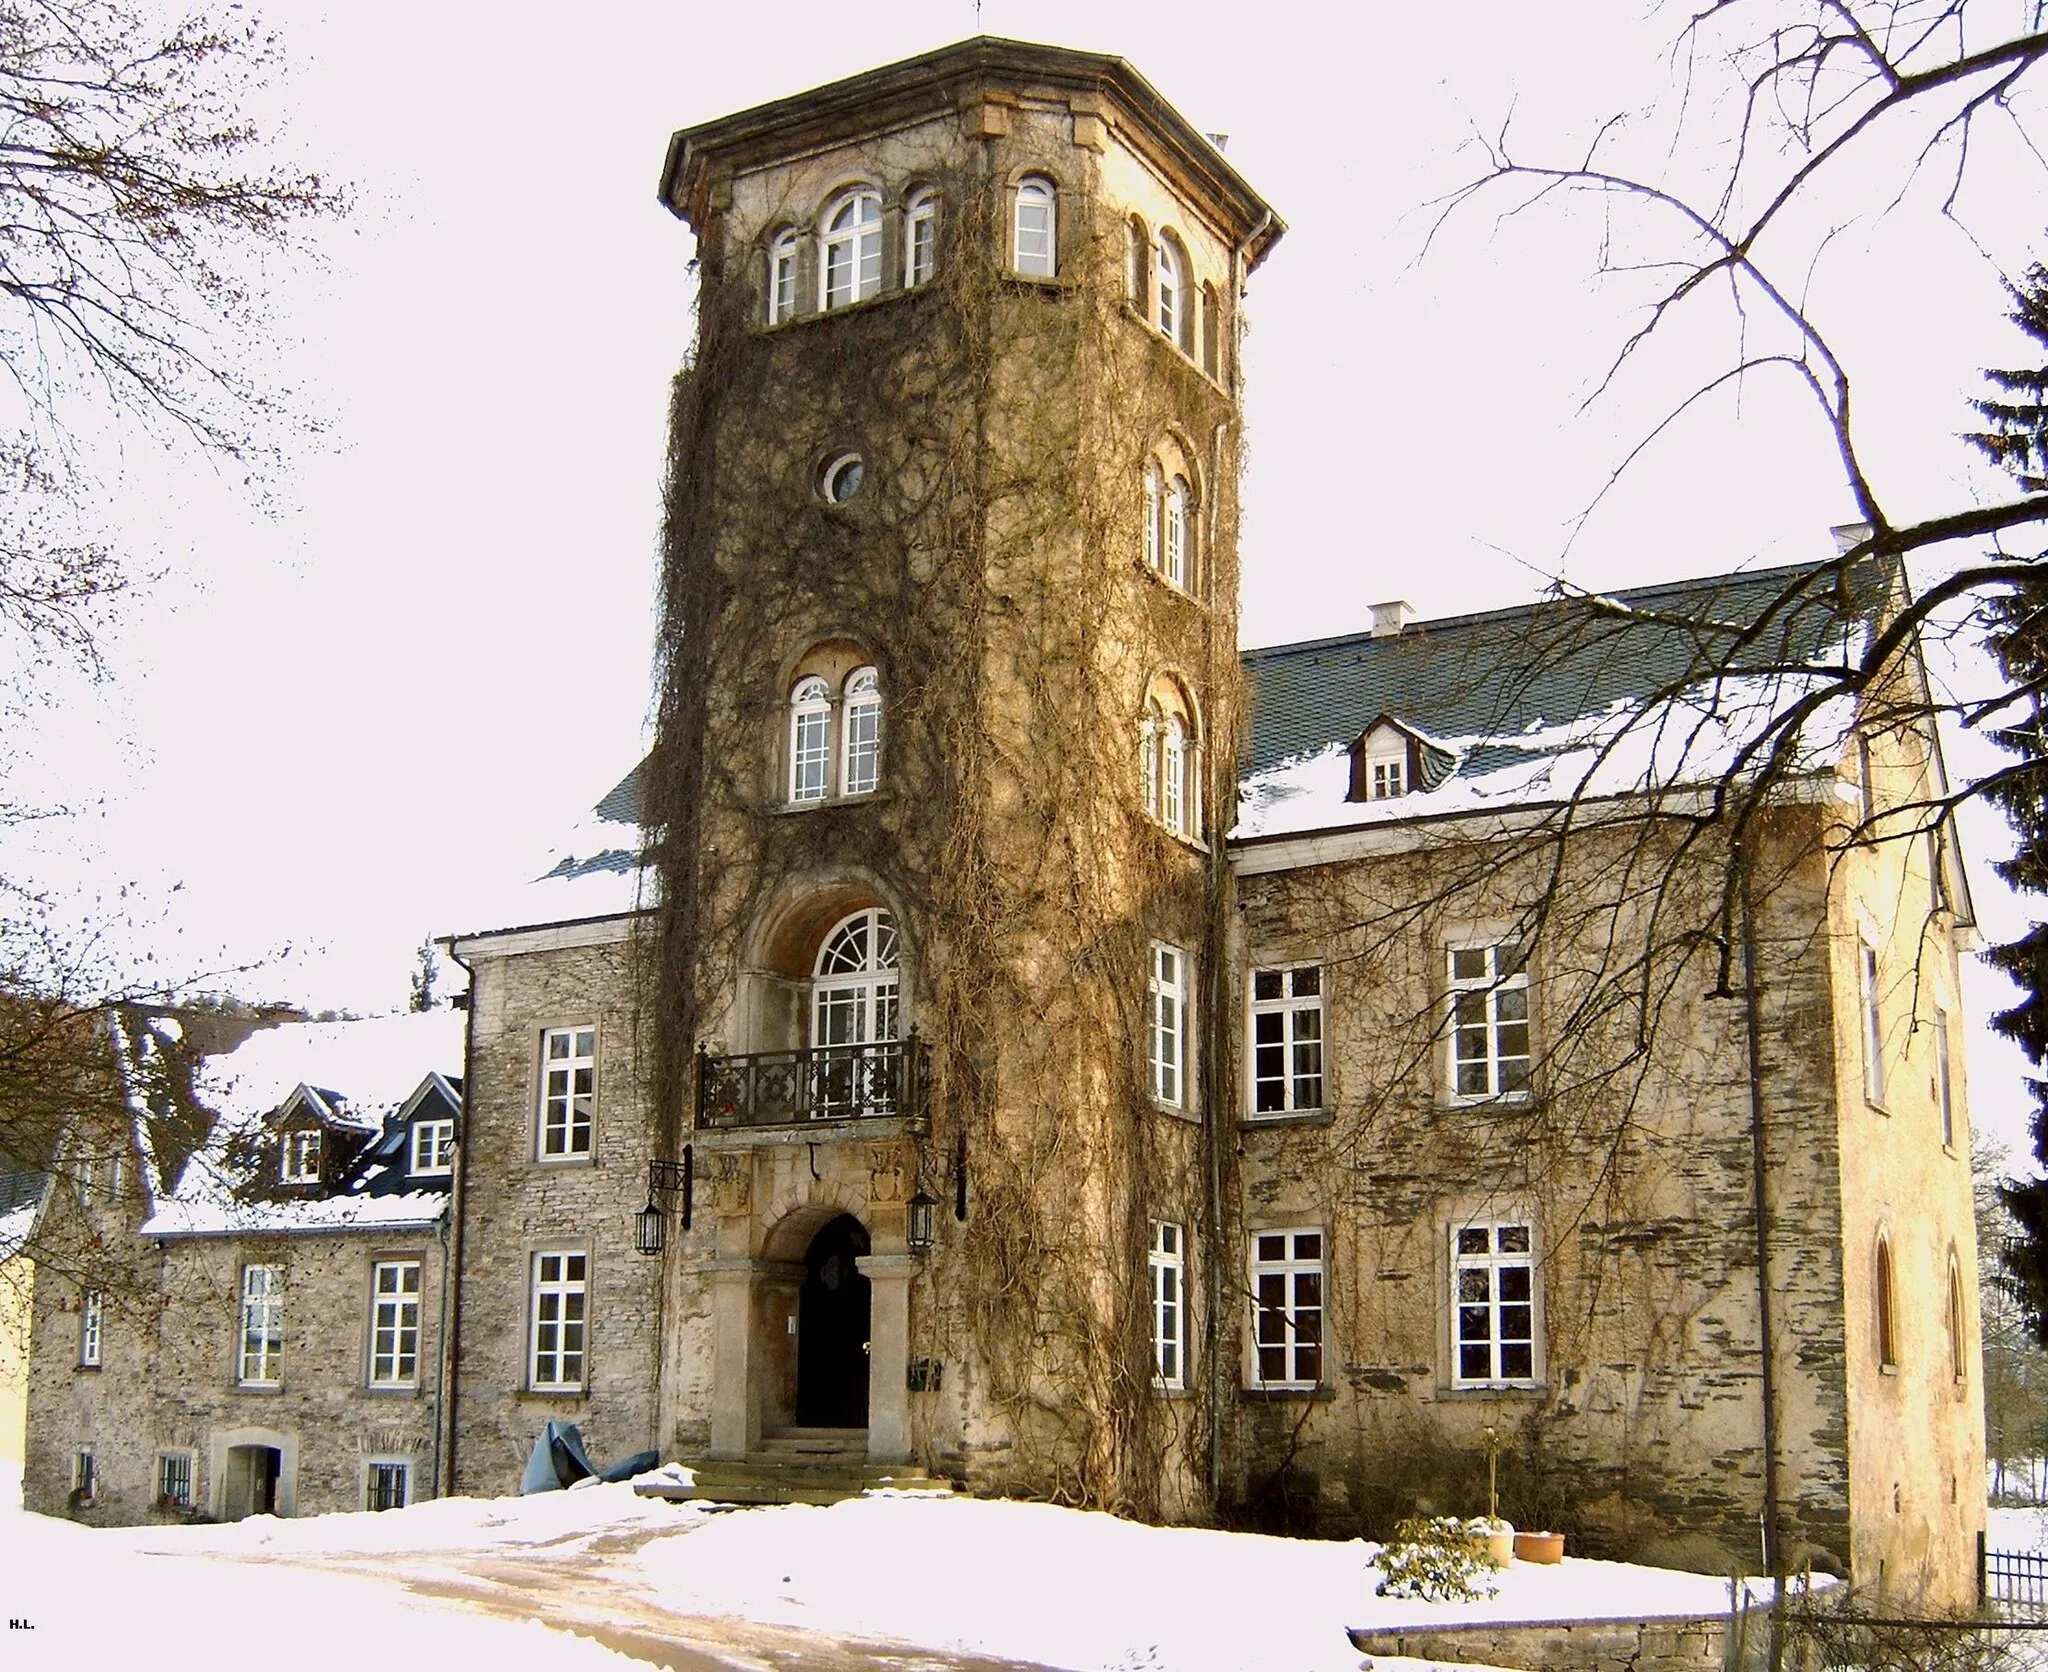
(793, 1088)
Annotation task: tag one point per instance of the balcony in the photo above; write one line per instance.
(795, 1088)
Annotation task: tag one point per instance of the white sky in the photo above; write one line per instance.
(347, 726)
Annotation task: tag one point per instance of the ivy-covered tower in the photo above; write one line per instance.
(947, 733)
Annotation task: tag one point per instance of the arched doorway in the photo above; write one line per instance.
(832, 1329)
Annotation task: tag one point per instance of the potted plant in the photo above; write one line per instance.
(1492, 1538)
(1545, 1548)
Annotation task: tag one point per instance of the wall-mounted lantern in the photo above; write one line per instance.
(917, 1221)
(664, 1178)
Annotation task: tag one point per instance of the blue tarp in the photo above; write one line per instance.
(558, 1460)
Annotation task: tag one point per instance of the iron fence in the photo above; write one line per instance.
(2017, 1578)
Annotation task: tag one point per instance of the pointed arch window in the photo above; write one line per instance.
(782, 278)
(852, 267)
(860, 724)
(920, 238)
(1887, 1308)
(1035, 236)
(810, 739)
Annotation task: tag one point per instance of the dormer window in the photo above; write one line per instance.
(302, 1156)
(1389, 772)
(433, 1149)
(1390, 760)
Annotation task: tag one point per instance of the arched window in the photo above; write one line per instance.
(1172, 281)
(782, 278)
(860, 722)
(1887, 1308)
(1037, 229)
(1958, 1360)
(852, 268)
(810, 739)
(920, 238)
(1169, 762)
(854, 991)
(1153, 494)
(1174, 557)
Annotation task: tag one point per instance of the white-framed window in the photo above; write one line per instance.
(1287, 1039)
(1944, 1087)
(857, 985)
(851, 270)
(920, 238)
(85, 1480)
(1175, 555)
(782, 255)
(860, 725)
(387, 1483)
(302, 1156)
(1168, 1262)
(560, 1294)
(1287, 1308)
(1155, 492)
(568, 1096)
(260, 1360)
(433, 1148)
(1489, 1022)
(1172, 288)
(1173, 775)
(1034, 248)
(174, 1479)
(1493, 1290)
(1167, 1035)
(810, 740)
(92, 1319)
(395, 1324)
(1386, 761)
(1870, 1003)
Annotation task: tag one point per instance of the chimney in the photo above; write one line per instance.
(1848, 536)
(1388, 619)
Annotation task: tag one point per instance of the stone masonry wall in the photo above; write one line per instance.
(513, 1205)
(1643, 1427)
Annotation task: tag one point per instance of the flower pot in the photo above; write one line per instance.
(1494, 1544)
(1540, 1547)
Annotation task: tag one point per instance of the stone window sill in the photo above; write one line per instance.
(1316, 1395)
(1494, 1390)
(1292, 1117)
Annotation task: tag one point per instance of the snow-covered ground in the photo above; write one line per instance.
(887, 1581)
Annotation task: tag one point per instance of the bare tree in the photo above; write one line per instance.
(137, 200)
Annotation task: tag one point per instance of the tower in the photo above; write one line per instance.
(948, 721)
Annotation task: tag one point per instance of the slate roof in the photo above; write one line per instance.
(1497, 673)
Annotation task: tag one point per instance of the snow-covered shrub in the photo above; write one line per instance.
(1433, 1560)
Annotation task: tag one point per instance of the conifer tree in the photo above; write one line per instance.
(2016, 437)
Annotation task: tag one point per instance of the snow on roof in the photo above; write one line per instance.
(366, 1069)
(1623, 749)
(18, 1224)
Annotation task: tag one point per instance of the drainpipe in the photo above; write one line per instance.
(1774, 1551)
(446, 1380)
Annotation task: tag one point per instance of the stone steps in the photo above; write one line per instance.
(800, 1466)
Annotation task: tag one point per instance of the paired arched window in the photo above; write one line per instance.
(851, 236)
(814, 716)
(782, 278)
(1169, 763)
(920, 238)
(1034, 243)
(1887, 1307)
(1169, 526)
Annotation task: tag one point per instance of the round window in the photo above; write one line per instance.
(841, 478)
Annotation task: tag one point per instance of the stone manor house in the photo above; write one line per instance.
(1005, 1031)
